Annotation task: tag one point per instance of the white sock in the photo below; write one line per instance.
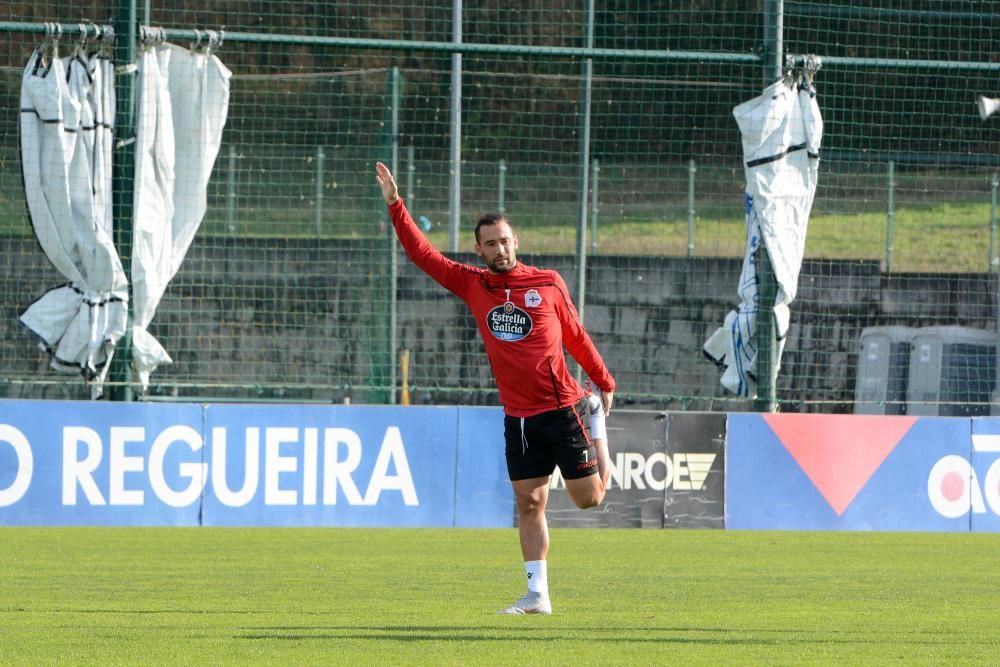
(538, 576)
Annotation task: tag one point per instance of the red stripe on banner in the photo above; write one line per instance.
(839, 453)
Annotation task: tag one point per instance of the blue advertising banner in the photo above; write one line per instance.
(982, 484)
(483, 497)
(145, 464)
(850, 472)
(330, 466)
(100, 464)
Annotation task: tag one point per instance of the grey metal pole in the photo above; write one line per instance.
(692, 169)
(994, 184)
(395, 87)
(455, 152)
(393, 252)
(767, 342)
(411, 169)
(501, 186)
(774, 22)
(994, 260)
(595, 177)
(890, 212)
(645, 55)
(584, 167)
(320, 169)
(231, 190)
(995, 396)
(123, 181)
(767, 333)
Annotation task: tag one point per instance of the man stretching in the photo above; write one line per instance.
(525, 316)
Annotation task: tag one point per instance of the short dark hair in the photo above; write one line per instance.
(491, 219)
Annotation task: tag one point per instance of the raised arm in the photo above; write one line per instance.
(449, 274)
(390, 191)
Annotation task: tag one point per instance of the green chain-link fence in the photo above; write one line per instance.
(607, 137)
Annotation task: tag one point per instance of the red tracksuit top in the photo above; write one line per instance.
(525, 316)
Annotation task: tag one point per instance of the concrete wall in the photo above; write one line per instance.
(313, 315)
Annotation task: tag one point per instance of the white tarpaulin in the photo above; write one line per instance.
(781, 131)
(66, 123)
(183, 103)
(67, 112)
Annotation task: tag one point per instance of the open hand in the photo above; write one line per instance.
(390, 191)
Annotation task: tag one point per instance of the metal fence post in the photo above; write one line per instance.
(501, 186)
(595, 173)
(455, 147)
(231, 190)
(411, 169)
(995, 267)
(994, 260)
(584, 163)
(584, 170)
(320, 168)
(767, 342)
(692, 169)
(123, 181)
(890, 212)
(396, 85)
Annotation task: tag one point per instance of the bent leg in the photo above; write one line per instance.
(586, 491)
(531, 496)
(603, 461)
(599, 438)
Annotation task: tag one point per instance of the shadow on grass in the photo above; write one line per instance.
(653, 635)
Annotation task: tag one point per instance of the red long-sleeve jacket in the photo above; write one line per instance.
(525, 316)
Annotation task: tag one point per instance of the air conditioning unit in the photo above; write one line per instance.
(883, 370)
(952, 372)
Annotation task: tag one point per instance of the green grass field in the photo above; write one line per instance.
(377, 596)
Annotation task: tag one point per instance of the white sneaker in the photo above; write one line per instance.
(531, 603)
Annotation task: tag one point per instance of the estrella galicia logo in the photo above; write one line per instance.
(508, 322)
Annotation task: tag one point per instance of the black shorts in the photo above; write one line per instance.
(536, 445)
